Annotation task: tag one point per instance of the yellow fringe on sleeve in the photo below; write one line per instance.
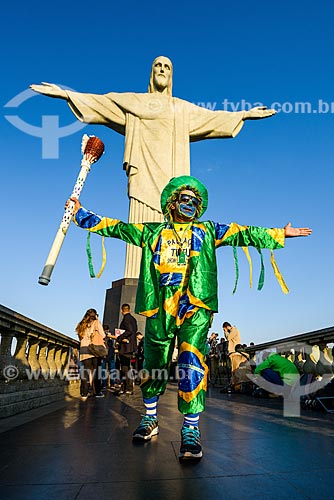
(245, 249)
(278, 274)
(104, 259)
(90, 258)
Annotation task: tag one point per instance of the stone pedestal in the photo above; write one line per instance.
(123, 291)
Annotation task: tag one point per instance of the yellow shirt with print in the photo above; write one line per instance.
(175, 250)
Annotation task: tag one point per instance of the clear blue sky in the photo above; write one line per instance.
(277, 170)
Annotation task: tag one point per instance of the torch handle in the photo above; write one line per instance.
(44, 279)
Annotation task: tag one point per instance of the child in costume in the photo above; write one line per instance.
(177, 292)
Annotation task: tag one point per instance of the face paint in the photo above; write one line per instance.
(186, 206)
(186, 210)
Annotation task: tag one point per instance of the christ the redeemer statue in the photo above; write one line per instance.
(158, 129)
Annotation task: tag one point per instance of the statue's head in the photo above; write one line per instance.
(184, 196)
(161, 78)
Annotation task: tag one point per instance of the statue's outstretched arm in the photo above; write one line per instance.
(258, 112)
(49, 89)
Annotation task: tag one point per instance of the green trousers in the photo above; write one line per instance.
(189, 325)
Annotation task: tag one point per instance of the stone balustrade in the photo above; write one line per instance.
(315, 337)
(35, 364)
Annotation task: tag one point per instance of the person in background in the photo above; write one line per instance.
(276, 369)
(90, 372)
(110, 358)
(252, 355)
(232, 336)
(139, 354)
(224, 359)
(74, 365)
(243, 371)
(212, 359)
(127, 346)
(222, 346)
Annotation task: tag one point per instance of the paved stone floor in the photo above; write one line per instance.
(84, 451)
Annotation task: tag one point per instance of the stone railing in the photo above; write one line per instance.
(36, 364)
(316, 337)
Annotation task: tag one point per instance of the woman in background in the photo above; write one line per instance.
(90, 364)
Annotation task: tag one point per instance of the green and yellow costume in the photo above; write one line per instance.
(177, 289)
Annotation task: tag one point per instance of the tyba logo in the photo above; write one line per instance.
(50, 132)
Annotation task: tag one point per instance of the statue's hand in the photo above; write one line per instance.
(259, 112)
(49, 89)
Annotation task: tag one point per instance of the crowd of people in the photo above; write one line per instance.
(270, 373)
(122, 365)
(230, 363)
(119, 368)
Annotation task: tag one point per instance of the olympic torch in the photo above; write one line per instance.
(92, 149)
